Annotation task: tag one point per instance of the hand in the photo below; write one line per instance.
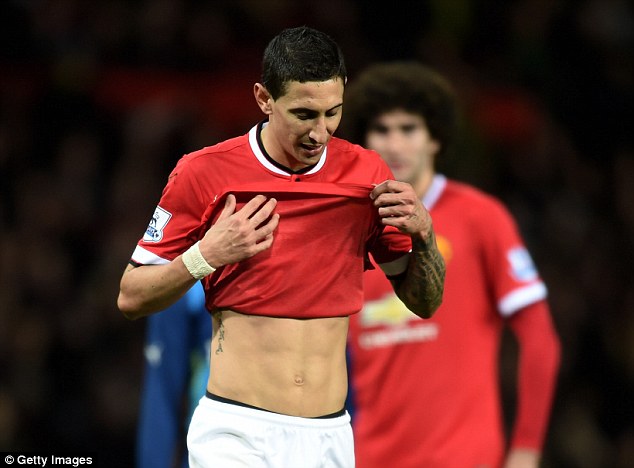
(399, 206)
(522, 458)
(238, 235)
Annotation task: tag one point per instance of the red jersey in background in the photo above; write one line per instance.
(440, 376)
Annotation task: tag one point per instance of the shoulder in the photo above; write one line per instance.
(212, 158)
(481, 211)
(217, 152)
(358, 159)
(194, 169)
(352, 150)
(475, 197)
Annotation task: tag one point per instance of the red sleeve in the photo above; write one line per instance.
(177, 217)
(539, 358)
(390, 244)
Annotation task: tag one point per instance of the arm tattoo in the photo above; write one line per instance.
(421, 288)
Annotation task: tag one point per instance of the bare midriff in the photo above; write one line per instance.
(290, 366)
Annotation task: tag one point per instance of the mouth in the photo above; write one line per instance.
(396, 166)
(312, 150)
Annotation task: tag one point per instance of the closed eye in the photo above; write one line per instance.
(308, 114)
(304, 115)
(407, 129)
(382, 129)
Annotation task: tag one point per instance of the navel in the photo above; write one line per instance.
(299, 380)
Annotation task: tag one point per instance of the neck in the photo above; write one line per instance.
(276, 154)
(423, 182)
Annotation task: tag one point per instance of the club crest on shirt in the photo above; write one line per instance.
(154, 231)
(444, 247)
(389, 310)
(396, 325)
(521, 263)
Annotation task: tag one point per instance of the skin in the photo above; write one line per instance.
(301, 122)
(405, 143)
(290, 366)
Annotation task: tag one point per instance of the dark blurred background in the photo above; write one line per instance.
(98, 100)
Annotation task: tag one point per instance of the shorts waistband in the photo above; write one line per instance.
(213, 396)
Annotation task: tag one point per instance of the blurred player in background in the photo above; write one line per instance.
(425, 393)
(175, 377)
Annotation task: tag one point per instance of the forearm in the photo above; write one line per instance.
(234, 237)
(421, 287)
(151, 288)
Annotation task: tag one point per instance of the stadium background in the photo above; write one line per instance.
(99, 98)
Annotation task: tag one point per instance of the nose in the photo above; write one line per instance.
(319, 132)
(393, 143)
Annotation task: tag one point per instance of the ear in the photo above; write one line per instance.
(435, 146)
(263, 98)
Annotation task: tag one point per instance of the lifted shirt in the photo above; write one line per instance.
(327, 227)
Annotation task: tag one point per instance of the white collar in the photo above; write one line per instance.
(435, 190)
(259, 154)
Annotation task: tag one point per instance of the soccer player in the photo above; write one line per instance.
(175, 378)
(278, 224)
(425, 393)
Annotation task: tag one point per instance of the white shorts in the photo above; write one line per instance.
(224, 435)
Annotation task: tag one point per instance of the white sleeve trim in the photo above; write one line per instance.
(395, 267)
(522, 297)
(145, 257)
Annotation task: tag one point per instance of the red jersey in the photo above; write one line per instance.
(327, 226)
(440, 376)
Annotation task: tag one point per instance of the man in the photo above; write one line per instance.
(426, 393)
(175, 377)
(278, 223)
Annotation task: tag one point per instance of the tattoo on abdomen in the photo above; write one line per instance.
(221, 333)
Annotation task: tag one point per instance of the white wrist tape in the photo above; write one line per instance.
(196, 263)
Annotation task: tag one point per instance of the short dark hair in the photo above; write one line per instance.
(300, 54)
(407, 85)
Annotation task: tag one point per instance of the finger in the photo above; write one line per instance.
(379, 189)
(394, 199)
(406, 220)
(264, 212)
(267, 229)
(395, 211)
(252, 206)
(264, 244)
(229, 208)
(399, 223)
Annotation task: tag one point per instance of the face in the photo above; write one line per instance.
(404, 142)
(301, 122)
